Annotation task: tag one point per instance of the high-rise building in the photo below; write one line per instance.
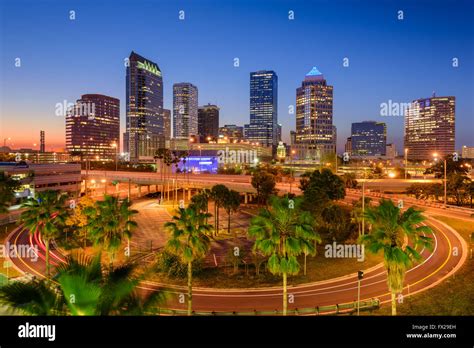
(292, 137)
(144, 122)
(314, 117)
(430, 127)
(93, 127)
(185, 110)
(348, 146)
(467, 152)
(263, 126)
(369, 139)
(208, 123)
(391, 151)
(42, 142)
(167, 124)
(279, 135)
(232, 132)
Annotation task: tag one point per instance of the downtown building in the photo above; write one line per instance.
(208, 123)
(93, 127)
(263, 126)
(315, 132)
(368, 139)
(185, 110)
(145, 129)
(231, 132)
(430, 128)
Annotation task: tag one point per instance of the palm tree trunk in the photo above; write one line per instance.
(394, 304)
(46, 242)
(305, 264)
(285, 294)
(190, 288)
(228, 223)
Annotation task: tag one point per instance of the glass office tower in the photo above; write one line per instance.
(368, 139)
(263, 126)
(144, 121)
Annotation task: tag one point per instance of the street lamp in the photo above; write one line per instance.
(360, 275)
(291, 168)
(115, 146)
(406, 163)
(435, 156)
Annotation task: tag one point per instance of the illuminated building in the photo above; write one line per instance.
(315, 133)
(145, 131)
(368, 138)
(208, 122)
(232, 132)
(430, 127)
(93, 127)
(263, 126)
(185, 110)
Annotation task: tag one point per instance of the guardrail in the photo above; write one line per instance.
(345, 308)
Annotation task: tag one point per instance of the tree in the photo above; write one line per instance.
(357, 213)
(349, 180)
(218, 194)
(457, 186)
(264, 182)
(77, 221)
(452, 167)
(189, 240)
(45, 214)
(231, 203)
(321, 187)
(109, 222)
(82, 288)
(283, 231)
(8, 186)
(390, 227)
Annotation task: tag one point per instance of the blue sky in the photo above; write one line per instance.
(389, 59)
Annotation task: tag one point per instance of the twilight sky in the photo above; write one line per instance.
(389, 59)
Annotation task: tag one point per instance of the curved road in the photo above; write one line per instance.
(448, 255)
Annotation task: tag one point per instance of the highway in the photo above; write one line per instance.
(436, 266)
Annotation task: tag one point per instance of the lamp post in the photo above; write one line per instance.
(360, 275)
(406, 163)
(291, 168)
(115, 146)
(435, 155)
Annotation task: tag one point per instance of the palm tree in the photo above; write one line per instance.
(231, 203)
(109, 221)
(82, 288)
(283, 231)
(189, 240)
(390, 226)
(7, 189)
(218, 194)
(45, 214)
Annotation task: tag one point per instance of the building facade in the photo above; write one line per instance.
(93, 127)
(145, 131)
(232, 132)
(369, 139)
(315, 133)
(208, 123)
(467, 152)
(430, 127)
(185, 110)
(263, 126)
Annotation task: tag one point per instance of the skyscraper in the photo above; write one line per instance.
(315, 134)
(430, 127)
(167, 124)
(144, 123)
(42, 142)
(185, 110)
(232, 132)
(263, 108)
(369, 138)
(93, 127)
(208, 122)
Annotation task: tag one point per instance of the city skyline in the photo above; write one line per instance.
(373, 75)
